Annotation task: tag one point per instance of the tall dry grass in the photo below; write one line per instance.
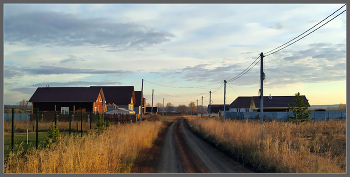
(110, 152)
(315, 147)
(22, 126)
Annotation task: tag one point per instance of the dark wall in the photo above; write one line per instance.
(51, 106)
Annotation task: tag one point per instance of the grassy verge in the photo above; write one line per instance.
(316, 147)
(111, 151)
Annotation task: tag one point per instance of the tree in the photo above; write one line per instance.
(23, 104)
(169, 107)
(299, 107)
(191, 106)
(341, 107)
(148, 105)
(182, 108)
(159, 106)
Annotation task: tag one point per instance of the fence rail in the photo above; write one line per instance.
(284, 116)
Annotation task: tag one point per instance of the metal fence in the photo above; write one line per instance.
(284, 116)
(18, 116)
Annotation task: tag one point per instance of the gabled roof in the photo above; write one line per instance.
(65, 94)
(241, 102)
(119, 95)
(276, 101)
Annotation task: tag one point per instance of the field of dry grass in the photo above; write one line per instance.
(315, 147)
(112, 151)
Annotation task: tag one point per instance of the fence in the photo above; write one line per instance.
(30, 130)
(18, 116)
(284, 116)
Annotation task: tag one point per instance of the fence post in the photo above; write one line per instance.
(37, 128)
(77, 127)
(13, 128)
(55, 118)
(70, 122)
(81, 122)
(90, 119)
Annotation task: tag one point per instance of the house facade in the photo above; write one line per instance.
(138, 107)
(65, 99)
(118, 96)
(216, 108)
(271, 103)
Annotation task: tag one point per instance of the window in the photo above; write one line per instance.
(95, 110)
(100, 99)
(64, 110)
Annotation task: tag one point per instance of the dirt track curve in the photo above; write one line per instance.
(185, 152)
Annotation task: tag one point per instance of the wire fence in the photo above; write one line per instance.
(29, 130)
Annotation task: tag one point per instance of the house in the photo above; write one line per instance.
(118, 96)
(65, 99)
(149, 110)
(216, 108)
(271, 103)
(137, 106)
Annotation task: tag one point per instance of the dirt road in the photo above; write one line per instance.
(184, 152)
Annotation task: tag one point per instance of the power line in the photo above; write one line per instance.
(233, 89)
(306, 30)
(244, 71)
(305, 35)
(235, 78)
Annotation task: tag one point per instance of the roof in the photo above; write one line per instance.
(137, 97)
(65, 94)
(119, 95)
(120, 111)
(218, 107)
(241, 102)
(276, 101)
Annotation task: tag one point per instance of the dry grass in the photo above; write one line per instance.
(110, 152)
(315, 147)
(22, 126)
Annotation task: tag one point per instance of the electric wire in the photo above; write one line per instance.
(305, 31)
(233, 89)
(180, 87)
(305, 35)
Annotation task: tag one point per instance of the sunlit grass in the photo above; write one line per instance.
(112, 151)
(315, 147)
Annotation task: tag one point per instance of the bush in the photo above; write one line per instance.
(100, 123)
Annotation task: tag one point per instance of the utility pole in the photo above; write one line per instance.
(209, 103)
(163, 107)
(202, 108)
(152, 101)
(262, 77)
(197, 107)
(224, 99)
(141, 101)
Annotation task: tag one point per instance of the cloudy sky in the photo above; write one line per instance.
(181, 51)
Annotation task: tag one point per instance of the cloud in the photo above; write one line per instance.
(71, 59)
(277, 26)
(31, 89)
(54, 28)
(12, 71)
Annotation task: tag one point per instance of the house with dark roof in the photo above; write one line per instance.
(137, 106)
(271, 103)
(65, 99)
(118, 96)
(150, 109)
(216, 108)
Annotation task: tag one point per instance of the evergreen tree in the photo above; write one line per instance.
(299, 107)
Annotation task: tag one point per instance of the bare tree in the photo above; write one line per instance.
(191, 106)
(182, 108)
(148, 105)
(23, 104)
(159, 106)
(342, 107)
(169, 107)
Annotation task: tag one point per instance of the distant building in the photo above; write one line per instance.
(216, 108)
(149, 110)
(271, 103)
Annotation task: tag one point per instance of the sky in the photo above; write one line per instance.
(182, 51)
